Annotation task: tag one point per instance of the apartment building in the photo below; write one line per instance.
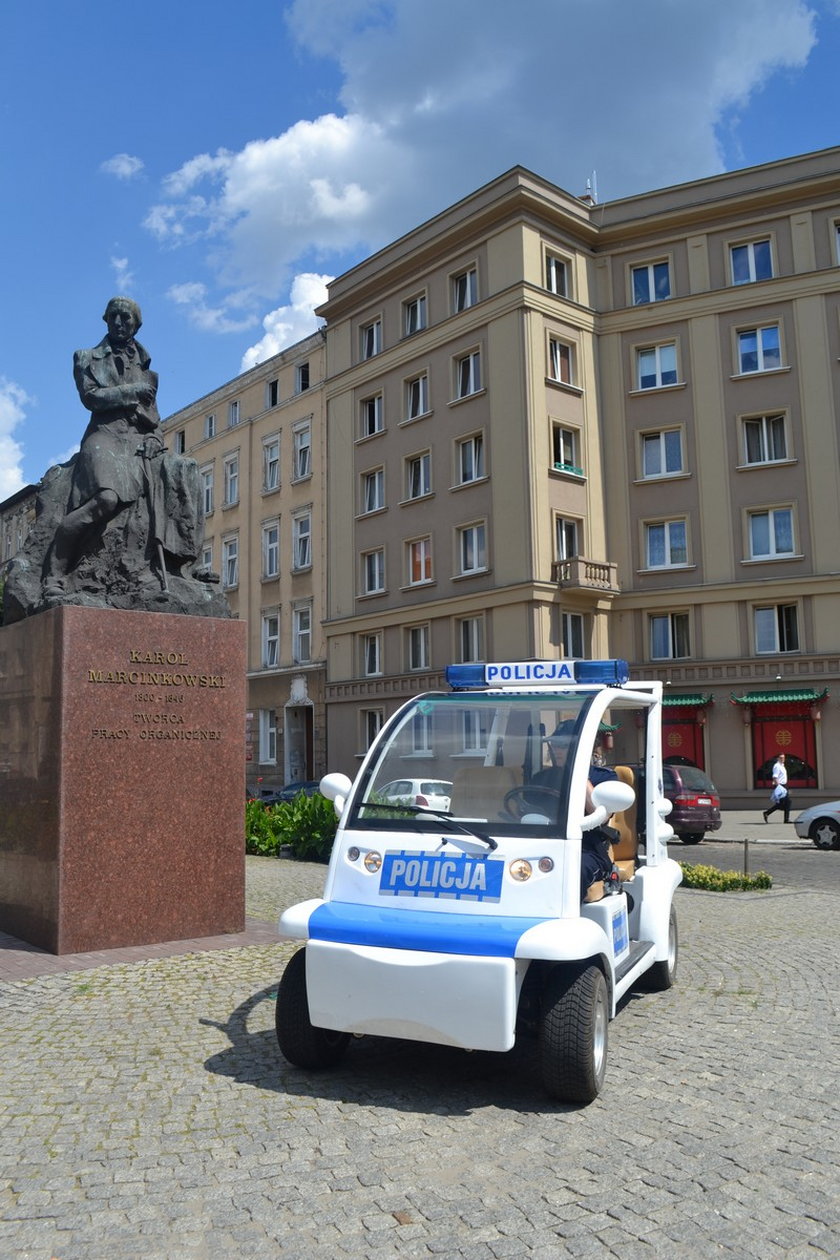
(17, 515)
(259, 444)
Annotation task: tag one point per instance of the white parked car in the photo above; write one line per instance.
(427, 793)
(820, 823)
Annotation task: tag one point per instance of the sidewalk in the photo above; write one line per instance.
(747, 824)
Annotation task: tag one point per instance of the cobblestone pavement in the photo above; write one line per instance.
(145, 1111)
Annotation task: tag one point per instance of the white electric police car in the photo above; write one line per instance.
(471, 927)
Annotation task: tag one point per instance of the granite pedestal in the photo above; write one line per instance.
(122, 780)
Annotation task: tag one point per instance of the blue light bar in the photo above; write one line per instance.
(613, 673)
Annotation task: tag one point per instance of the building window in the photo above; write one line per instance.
(180, 442)
(662, 453)
(207, 489)
(372, 723)
(771, 533)
(373, 490)
(230, 561)
(302, 634)
(571, 633)
(776, 629)
(421, 733)
(302, 540)
(751, 262)
(759, 349)
(233, 413)
(371, 645)
(556, 275)
(472, 549)
(765, 441)
(560, 361)
(464, 290)
(468, 374)
(270, 640)
(373, 572)
(419, 561)
(665, 544)
(564, 449)
(207, 557)
(272, 393)
(414, 315)
(271, 463)
(302, 442)
(470, 459)
(418, 475)
(566, 538)
(669, 636)
(371, 415)
(471, 639)
(231, 480)
(371, 339)
(476, 730)
(209, 426)
(656, 366)
(268, 737)
(301, 378)
(271, 549)
(417, 397)
(417, 640)
(651, 283)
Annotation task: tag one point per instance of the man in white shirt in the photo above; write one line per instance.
(780, 796)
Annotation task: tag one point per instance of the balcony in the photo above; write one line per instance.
(583, 574)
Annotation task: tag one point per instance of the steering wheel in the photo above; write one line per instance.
(521, 798)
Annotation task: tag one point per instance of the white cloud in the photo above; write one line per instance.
(123, 278)
(123, 166)
(289, 324)
(202, 314)
(13, 403)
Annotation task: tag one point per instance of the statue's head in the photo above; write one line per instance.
(122, 317)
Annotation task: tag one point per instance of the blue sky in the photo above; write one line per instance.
(219, 162)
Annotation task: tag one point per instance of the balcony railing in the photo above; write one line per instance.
(586, 574)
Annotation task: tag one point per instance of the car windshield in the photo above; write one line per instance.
(695, 780)
(500, 761)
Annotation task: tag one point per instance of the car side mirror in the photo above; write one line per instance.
(336, 787)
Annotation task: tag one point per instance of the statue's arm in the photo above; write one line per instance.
(97, 397)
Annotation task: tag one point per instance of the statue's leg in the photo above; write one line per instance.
(66, 547)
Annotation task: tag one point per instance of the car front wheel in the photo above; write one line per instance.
(299, 1040)
(573, 1034)
(825, 833)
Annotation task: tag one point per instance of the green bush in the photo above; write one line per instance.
(306, 825)
(713, 880)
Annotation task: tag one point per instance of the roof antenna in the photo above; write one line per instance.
(591, 194)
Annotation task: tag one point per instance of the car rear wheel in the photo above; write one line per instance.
(691, 837)
(825, 833)
(299, 1040)
(573, 1034)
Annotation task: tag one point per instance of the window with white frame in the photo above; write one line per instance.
(470, 458)
(468, 374)
(233, 413)
(419, 561)
(666, 544)
(560, 361)
(421, 733)
(472, 548)
(372, 721)
(418, 475)
(371, 335)
(302, 634)
(371, 415)
(669, 636)
(417, 396)
(661, 453)
(268, 737)
(565, 453)
(231, 468)
(272, 393)
(759, 349)
(571, 635)
(271, 463)
(270, 640)
(771, 533)
(373, 490)
(302, 540)
(302, 378)
(417, 647)
(180, 442)
(230, 561)
(566, 537)
(302, 447)
(373, 572)
(651, 282)
(751, 261)
(371, 653)
(556, 275)
(414, 314)
(471, 639)
(207, 557)
(207, 488)
(476, 724)
(464, 290)
(765, 439)
(209, 426)
(271, 549)
(776, 629)
(837, 242)
(656, 366)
